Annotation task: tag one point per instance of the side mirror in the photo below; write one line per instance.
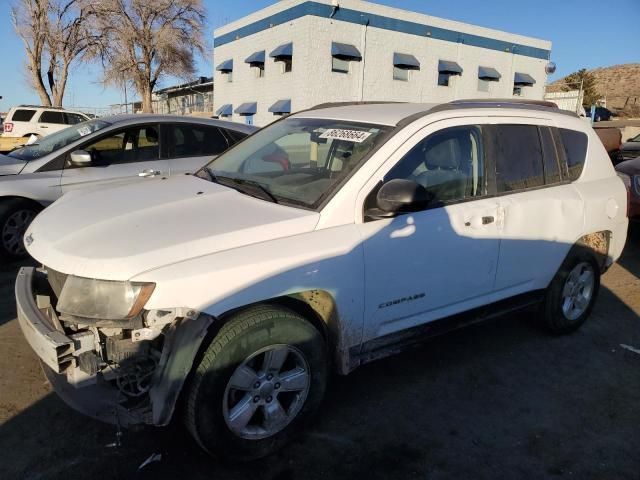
(402, 196)
(80, 158)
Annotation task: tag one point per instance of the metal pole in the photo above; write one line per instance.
(126, 102)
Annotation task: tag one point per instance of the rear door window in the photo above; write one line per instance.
(22, 115)
(49, 116)
(575, 149)
(188, 140)
(518, 157)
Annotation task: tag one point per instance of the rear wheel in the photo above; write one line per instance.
(570, 297)
(258, 383)
(15, 217)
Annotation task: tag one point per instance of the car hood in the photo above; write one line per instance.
(630, 167)
(10, 165)
(630, 147)
(118, 233)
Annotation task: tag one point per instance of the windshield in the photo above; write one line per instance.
(635, 139)
(296, 161)
(55, 141)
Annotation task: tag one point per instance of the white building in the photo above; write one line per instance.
(296, 54)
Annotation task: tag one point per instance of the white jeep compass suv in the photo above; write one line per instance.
(326, 240)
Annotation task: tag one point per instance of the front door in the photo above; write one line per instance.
(129, 153)
(430, 264)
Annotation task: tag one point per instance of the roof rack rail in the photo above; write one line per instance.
(40, 106)
(511, 103)
(506, 101)
(348, 104)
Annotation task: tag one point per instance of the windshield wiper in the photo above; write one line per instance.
(249, 187)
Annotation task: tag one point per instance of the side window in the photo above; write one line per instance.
(187, 140)
(73, 118)
(22, 115)
(551, 166)
(448, 163)
(518, 157)
(575, 149)
(233, 136)
(136, 144)
(50, 116)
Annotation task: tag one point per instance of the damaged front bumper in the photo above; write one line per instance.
(77, 364)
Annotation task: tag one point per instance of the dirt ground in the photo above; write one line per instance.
(496, 400)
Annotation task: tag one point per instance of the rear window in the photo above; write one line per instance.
(551, 166)
(22, 115)
(519, 163)
(575, 149)
(52, 117)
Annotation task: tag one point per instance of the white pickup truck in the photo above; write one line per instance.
(326, 240)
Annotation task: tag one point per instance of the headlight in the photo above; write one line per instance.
(103, 299)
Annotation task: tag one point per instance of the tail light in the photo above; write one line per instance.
(8, 127)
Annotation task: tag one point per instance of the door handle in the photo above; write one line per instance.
(149, 173)
(43, 126)
(477, 222)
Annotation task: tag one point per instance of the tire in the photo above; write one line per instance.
(240, 352)
(572, 293)
(15, 217)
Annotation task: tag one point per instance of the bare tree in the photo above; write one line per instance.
(143, 40)
(69, 39)
(31, 21)
(55, 34)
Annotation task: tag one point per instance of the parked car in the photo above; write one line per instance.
(28, 120)
(629, 172)
(331, 238)
(98, 152)
(630, 149)
(602, 114)
(611, 138)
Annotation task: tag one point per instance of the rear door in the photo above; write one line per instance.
(127, 153)
(51, 121)
(188, 147)
(542, 212)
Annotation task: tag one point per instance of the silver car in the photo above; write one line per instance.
(99, 152)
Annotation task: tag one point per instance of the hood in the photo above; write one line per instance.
(10, 165)
(118, 233)
(630, 147)
(630, 167)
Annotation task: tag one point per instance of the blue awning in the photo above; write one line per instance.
(226, 110)
(226, 66)
(345, 51)
(404, 60)
(254, 58)
(488, 73)
(283, 51)
(523, 80)
(281, 106)
(445, 66)
(249, 108)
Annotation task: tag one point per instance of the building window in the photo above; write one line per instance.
(248, 119)
(517, 91)
(229, 76)
(483, 85)
(444, 79)
(339, 65)
(400, 74)
(287, 65)
(258, 70)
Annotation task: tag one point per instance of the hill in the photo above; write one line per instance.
(619, 86)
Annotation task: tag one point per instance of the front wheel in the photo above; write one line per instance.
(258, 383)
(15, 217)
(572, 293)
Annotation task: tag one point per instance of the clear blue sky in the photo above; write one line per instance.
(567, 23)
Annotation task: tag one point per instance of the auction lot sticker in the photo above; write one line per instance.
(355, 136)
